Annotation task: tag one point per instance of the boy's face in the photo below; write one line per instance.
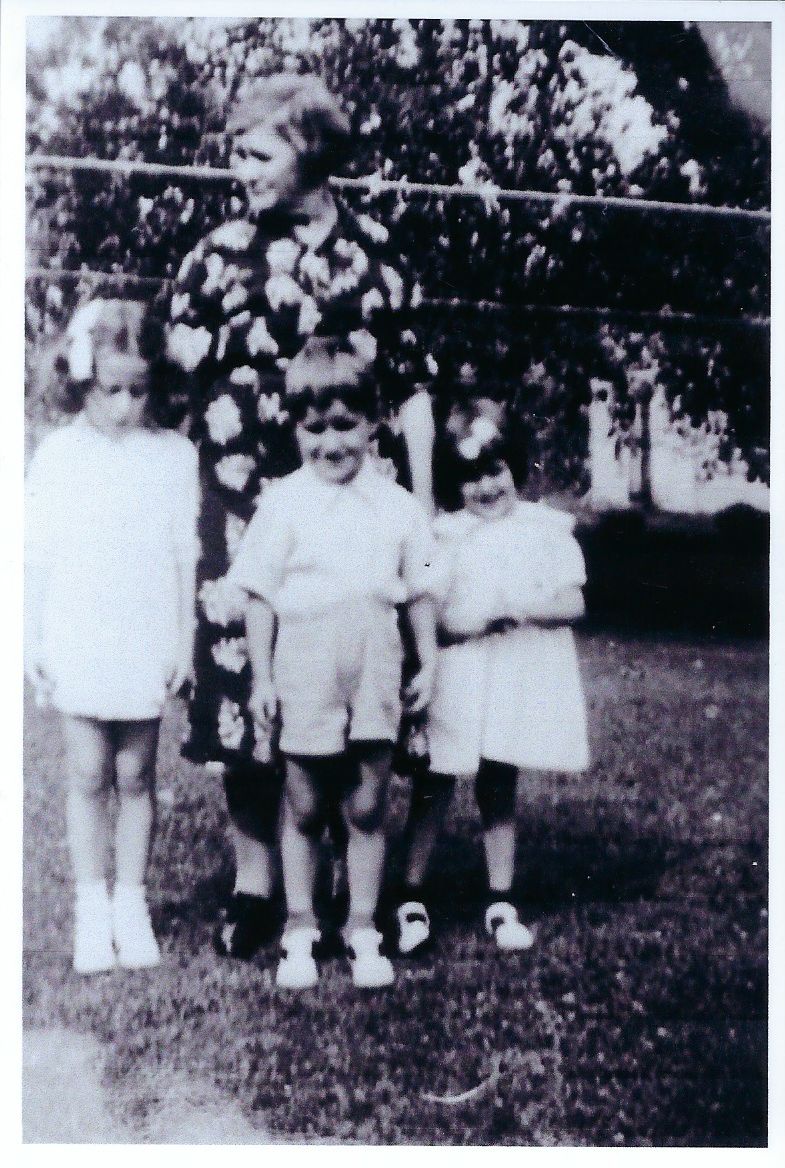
(493, 495)
(334, 440)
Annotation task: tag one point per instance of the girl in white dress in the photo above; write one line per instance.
(110, 552)
(508, 694)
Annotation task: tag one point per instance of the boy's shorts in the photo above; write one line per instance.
(338, 678)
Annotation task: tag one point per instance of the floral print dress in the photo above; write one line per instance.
(245, 300)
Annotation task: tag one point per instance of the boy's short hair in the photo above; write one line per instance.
(329, 369)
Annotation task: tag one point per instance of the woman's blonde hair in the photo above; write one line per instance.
(300, 108)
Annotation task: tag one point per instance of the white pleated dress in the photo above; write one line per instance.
(513, 697)
(111, 520)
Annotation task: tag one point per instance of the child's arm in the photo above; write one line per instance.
(560, 607)
(185, 494)
(421, 616)
(415, 417)
(260, 634)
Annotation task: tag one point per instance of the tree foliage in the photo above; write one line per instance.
(613, 108)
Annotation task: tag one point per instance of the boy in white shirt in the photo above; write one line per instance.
(332, 552)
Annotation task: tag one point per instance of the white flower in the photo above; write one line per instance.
(145, 206)
(470, 447)
(240, 319)
(230, 653)
(215, 268)
(230, 725)
(364, 344)
(181, 302)
(282, 289)
(309, 317)
(371, 123)
(259, 339)
(223, 341)
(282, 255)
(233, 531)
(374, 230)
(132, 83)
(394, 285)
(222, 601)
(359, 260)
(270, 408)
(244, 375)
(316, 268)
(223, 419)
(235, 236)
(416, 297)
(431, 364)
(483, 430)
(189, 261)
(233, 470)
(187, 346)
(371, 301)
(236, 296)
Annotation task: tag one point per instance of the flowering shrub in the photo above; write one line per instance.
(615, 109)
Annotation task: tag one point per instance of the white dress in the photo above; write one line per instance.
(110, 520)
(514, 697)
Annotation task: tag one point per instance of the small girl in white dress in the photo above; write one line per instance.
(508, 693)
(111, 506)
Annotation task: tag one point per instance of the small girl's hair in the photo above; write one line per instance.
(481, 450)
(329, 369)
(300, 108)
(99, 326)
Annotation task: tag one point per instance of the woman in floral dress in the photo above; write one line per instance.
(245, 300)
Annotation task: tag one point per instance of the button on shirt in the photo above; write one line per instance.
(313, 545)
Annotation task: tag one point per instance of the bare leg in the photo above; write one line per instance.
(88, 760)
(495, 789)
(302, 827)
(365, 810)
(137, 744)
(431, 798)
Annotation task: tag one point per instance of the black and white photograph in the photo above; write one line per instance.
(464, 322)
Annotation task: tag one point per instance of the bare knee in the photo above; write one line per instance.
(365, 810)
(89, 779)
(133, 775)
(305, 810)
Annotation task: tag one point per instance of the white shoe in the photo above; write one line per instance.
(370, 969)
(137, 947)
(93, 948)
(414, 926)
(507, 930)
(297, 969)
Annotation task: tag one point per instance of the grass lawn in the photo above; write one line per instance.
(639, 1018)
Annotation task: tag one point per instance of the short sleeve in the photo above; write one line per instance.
(40, 501)
(569, 568)
(418, 567)
(185, 502)
(260, 564)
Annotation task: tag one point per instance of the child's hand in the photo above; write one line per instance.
(181, 677)
(262, 704)
(417, 694)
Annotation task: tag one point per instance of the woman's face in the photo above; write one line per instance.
(493, 495)
(269, 168)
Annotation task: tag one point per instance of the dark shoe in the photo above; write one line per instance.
(247, 924)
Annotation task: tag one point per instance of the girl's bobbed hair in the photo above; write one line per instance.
(300, 108)
(100, 326)
(480, 450)
(329, 369)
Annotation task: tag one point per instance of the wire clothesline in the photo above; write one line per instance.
(663, 317)
(373, 184)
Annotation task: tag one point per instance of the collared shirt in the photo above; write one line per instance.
(312, 545)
